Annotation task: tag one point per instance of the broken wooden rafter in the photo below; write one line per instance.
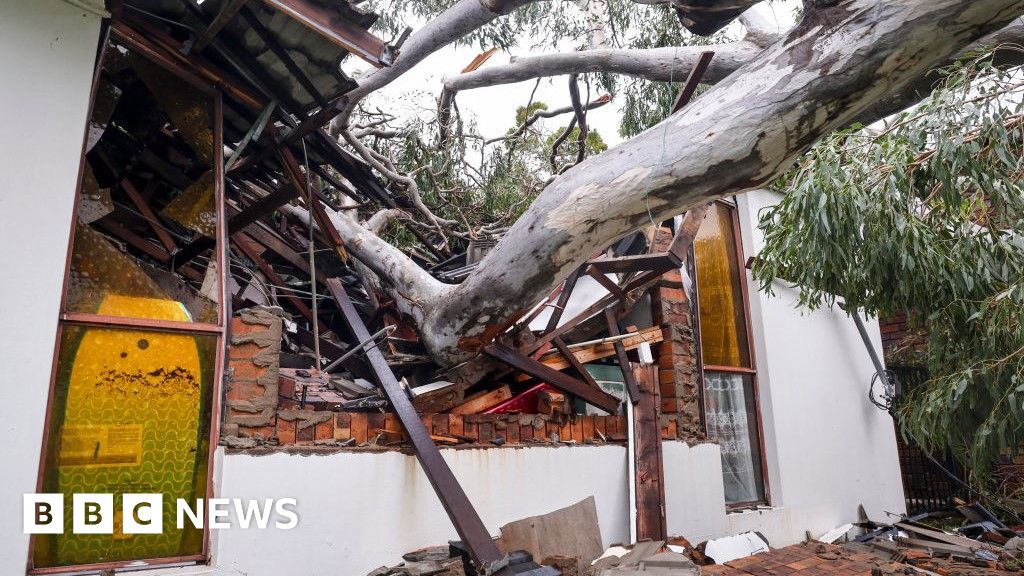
(586, 352)
(248, 247)
(227, 12)
(692, 81)
(159, 46)
(263, 234)
(238, 222)
(572, 360)
(139, 202)
(298, 178)
(477, 539)
(559, 380)
(337, 29)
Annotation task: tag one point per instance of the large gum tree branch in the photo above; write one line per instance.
(673, 64)
(413, 289)
(462, 18)
(747, 130)
(855, 62)
(661, 64)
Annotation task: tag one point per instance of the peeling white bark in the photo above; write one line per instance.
(412, 287)
(674, 64)
(661, 64)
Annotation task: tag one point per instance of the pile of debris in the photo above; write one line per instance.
(982, 545)
(433, 561)
(568, 542)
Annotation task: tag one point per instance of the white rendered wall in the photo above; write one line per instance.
(47, 50)
(828, 448)
(358, 511)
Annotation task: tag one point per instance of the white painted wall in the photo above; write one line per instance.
(47, 48)
(358, 511)
(828, 448)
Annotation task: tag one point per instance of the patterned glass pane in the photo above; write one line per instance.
(130, 414)
(723, 329)
(731, 416)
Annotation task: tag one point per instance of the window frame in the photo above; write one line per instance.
(120, 33)
(733, 210)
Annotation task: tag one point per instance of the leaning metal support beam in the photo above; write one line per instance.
(485, 554)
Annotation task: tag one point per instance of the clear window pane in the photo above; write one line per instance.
(731, 416)
(131, 414)
(723, 328)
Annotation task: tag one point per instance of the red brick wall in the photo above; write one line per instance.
(677, 354)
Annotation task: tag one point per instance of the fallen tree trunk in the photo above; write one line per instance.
(826, 73)
(674, 64)
(834, 68)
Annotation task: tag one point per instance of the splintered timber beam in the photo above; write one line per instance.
(564, 382)
(586, 352)
(471, 529)
(650, 470)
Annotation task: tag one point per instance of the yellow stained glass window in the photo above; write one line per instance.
(131, 406)
(131, 414)
(723, 328)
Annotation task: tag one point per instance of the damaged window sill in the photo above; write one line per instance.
(751, 509)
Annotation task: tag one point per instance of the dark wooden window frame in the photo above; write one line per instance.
(751, 371)
(122, 34)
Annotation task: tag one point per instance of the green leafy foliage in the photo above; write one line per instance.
(925, 215)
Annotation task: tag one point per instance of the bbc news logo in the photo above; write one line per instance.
(143, 513)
